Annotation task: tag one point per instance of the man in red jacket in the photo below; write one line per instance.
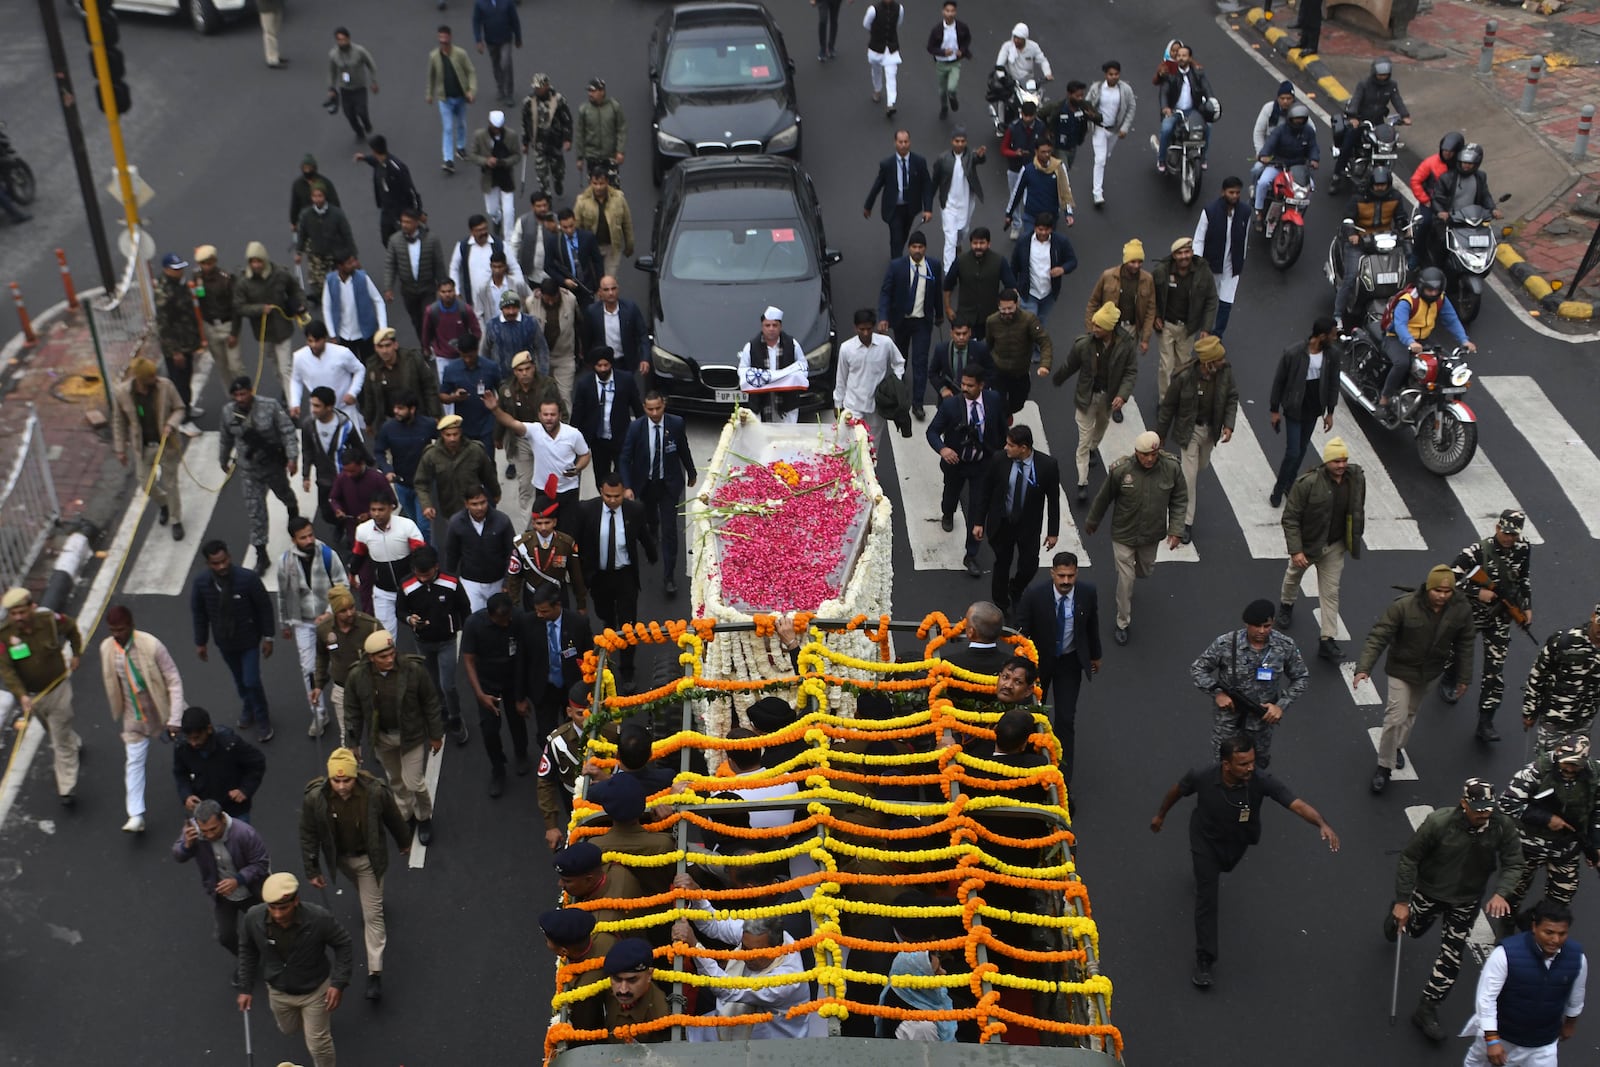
(1428, 171)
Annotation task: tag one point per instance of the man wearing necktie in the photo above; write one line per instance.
(656, 464)
(557, 642)
(909, 307)
(1062, 618)
(611, 538)
(1020, 485)
(573, 257)
(951, 357)
(907, 189)
(966, 430)
(603, 403)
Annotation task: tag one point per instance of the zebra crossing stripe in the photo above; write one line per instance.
(1247, 476)
(1408, 773)
(1483, 495)
(1559, 447)
(161, 566)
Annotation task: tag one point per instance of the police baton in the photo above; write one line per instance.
(1394, 992)
(249, 1050)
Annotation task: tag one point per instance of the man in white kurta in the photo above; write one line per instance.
(321, 362)
(145, 694)
(762, 373)
(863, 361)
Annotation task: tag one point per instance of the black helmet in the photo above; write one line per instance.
(1381, 176)
(1471, 153)
(1452, 142)
(1430, 280)
(1382, 68)
(1300, 113)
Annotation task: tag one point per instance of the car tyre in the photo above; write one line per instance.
(203, 16)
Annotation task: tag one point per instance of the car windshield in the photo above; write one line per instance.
(721, 57)
(739, 252)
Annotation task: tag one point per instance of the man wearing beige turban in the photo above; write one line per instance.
(146, 415)
(1107, 366)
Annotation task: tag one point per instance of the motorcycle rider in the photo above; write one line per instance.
(1183, 87)
(1427, 172)
(1462, 185)
(1418, 311)
(1273, 113)
(1292, 143)
(1022, 58)
(1370, 102)
(1373, 211)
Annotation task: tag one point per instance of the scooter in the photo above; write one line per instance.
(1380, 273)
(1006, 97)
(1470, 242)
(1184, 152)
(1430, 404)
(1380, 147)
(1284, 223)
(15, 173)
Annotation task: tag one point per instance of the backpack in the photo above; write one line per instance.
(1387, 323)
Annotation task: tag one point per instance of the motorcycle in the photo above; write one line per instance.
(1470, 243)
(1006, 97)
(1380, 147)
(1380, 273)
(1430, 403)
(15, 173)
(1284, 223)
(1185, 150)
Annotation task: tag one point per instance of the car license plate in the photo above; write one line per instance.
(729, 396)
(1389, 277)
(1478, 240)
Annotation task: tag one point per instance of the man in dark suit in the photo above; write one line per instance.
(910, 305)
(1019, 487)
(573, 257)
(1062, 617)
(616, 322)
(982, 653)
(1056, 260)
(951, 357)
(966, 430)
(612, 538)
(656, 465)
(418, 287)
(555, 642)
(604, 402)
(907, 189)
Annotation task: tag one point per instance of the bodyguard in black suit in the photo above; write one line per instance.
(952, 356)
(907, 189)
(910, 305)
(604, 402)
(613, 542)
(656, 464)
(572, 257)
(967, 429)
(635, 335)
(554, 643)
(1019, 487)
(1062, 617)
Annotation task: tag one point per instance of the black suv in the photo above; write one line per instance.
(732, 235)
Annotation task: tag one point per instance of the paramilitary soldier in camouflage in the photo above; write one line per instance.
(547, 133)
(1563, 690)
(1253, 675)
(560, 766)
(1493, 573)
(545, 554)
(268, 452)
(1556, 803)
(178, 326)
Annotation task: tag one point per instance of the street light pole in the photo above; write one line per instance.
(80, 152)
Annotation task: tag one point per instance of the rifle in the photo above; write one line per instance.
(1244, 705)
(1478, 576)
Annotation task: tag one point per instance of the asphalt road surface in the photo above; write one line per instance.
(105, 943)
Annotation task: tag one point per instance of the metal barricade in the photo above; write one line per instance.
(28, 505)
(122, 323)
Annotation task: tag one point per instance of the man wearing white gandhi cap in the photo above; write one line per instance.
(495, 148)
(772, 368)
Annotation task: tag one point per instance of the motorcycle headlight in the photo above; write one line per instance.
(672, 146)
(1461, 375)
(818, 358)
(785, 139)
(665, 362)
(1419, 368)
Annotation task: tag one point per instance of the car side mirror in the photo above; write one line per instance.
(831, 256)
(646, 264)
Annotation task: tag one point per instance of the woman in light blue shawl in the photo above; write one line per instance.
(917, 999)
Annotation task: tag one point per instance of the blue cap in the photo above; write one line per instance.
(621, 795)
(628, 955)
(567, 926)
(173, 261)
(580, 858)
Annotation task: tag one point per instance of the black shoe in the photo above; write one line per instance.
(68, 800)
(459, 729)
(263, 561)
(1380, 779)
(243, 724)
(448, 166)
(177, 531)
(374, 987)
(266, 735)
(955, 105)
(1285, 616)
(669, 588)
(497, 782)
(1399, 759)
(511, 472)
(1426, 1019)
(1188, 533)
(1486, 731)
(161, 516)
(1120, 635)
(919, 412)
(944, 109)
(523, 766)
(1094, 458)
(1276, 500)
(1447, 691)
(947, 523)
(1330, 650)
(282, 62)
(1083, 493)
(1391, 928)
(1202, 974)
(425, 831)
(888, 112)
(972, 567)
(1116, 416)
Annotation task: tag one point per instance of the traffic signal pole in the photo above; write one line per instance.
(108, 102)
(80, 152)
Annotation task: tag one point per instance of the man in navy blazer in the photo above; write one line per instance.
(1039, 294)
(1062, 617)
(1013, 531)
(907, 189)
(966, 430)
(656, 465)
(910, 305)
(572, 256)
(952, 356)
(631, 346)
(604, 402)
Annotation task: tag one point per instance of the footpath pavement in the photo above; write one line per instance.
(1555, 200)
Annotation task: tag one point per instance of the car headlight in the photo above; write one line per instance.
(672, 146)
(818, 359)
(785, 139)
(667, 363)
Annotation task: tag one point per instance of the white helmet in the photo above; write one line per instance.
(1020, 30)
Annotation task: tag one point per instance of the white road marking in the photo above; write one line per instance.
(1481, 940)
(162, 566)
(1389, 523)
(1118, 442)
(1247, 477)
(1483, 495)
(1339, 631)
(1408, 773)
(419, 851)
(1559, 447)
(1366, 694)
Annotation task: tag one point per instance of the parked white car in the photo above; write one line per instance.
(206, 16)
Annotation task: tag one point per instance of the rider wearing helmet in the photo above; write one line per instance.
(1374, 210)
(1428, 172)
(1457, 188)
(1418, 311)
(1373, 98)
(1293, 143)
(1023, 58)
(1183, 87)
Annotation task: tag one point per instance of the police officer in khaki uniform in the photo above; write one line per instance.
(33, 668)
(339, 642)
(521, 396)
(1150, 495)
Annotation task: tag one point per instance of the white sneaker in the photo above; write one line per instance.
(134, 825)
(318, 724)
(189, 429)
(196, 411)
